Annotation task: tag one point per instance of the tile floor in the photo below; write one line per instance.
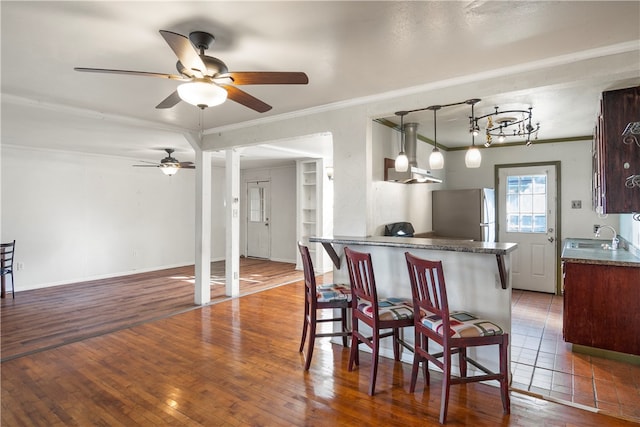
(543, 364)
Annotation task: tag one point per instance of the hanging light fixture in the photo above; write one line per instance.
(473, 158)
(169, 169)
(202, 93)
(436, 160)
(506, 123)
(402, 161)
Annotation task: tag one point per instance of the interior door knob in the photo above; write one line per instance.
(551, 239)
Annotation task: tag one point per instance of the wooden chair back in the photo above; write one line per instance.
(363, 282)
(429, 291)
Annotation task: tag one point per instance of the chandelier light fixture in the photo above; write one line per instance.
(507, 123)
(202, 93)
(473, 158)
(436, 160)
(402, 161)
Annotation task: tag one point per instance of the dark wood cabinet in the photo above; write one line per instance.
(613, 159)
(602, 306)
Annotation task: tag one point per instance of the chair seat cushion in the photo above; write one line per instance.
(390, 309)
(330, 292)
(463, 325)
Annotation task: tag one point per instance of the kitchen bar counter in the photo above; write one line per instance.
(473, 281)
(590, 251)
(438, 244)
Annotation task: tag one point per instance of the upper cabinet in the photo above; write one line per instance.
(617, 152)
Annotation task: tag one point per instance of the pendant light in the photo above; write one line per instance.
(436, 160)
(402, 161)
(473, 158)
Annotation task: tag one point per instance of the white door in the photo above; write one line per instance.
(527, 216)
(258, 212)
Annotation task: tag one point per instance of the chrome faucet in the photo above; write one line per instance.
(615, 240)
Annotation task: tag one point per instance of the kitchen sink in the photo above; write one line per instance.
(582, 245)
(591, 245)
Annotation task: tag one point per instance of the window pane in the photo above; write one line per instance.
(526, 185)
(540, 204)
(539, 223)
(526, 203)
(256, 206)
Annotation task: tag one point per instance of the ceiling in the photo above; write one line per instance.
(349, 50)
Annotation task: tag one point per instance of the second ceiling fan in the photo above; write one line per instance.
(206, 80)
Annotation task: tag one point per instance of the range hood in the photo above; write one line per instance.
(413, 175)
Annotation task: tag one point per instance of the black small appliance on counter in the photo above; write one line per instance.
(399, 229)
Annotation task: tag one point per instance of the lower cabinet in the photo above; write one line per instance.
(602, 306)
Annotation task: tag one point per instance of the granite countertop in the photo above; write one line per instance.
(438, 244)
(590, 251)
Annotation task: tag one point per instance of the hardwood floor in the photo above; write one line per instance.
(235, 363)
(46, 318)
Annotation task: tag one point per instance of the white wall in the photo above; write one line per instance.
(79, 217)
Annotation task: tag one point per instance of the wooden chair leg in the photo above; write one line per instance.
(305, 325)
(396, 344)
(446, 384)
(414, 371)
(504, 383)
(344, 326)
(353, 354)
(462, 361)
(312, 341)
(375, 340)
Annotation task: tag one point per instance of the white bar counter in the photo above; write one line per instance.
(477, 275)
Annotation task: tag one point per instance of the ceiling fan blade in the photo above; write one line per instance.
(170, 100)
(187, 165)
(151, 163)
(131, 73)
(146, 166)
(268, 78)
(184, 50)
(242, 97)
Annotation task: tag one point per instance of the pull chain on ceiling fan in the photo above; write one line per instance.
(206, 80)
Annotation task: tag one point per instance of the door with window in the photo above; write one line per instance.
(527, 216)
(258, 212)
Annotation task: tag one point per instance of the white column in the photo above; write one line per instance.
(203, 228)
(232, 264)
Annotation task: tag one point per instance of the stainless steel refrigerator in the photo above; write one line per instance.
(466, 214)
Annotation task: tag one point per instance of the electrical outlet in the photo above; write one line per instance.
(595, 228)
(19, 266)
(576, 204)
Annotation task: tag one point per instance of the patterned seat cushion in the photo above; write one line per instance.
(463, 325)
(330, 292)
(390, 309)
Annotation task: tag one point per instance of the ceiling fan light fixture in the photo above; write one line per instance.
(169, 169)
(202, 93)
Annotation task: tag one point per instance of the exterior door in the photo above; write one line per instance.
(527, 216)
(258, 213)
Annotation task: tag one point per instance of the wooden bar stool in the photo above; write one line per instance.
(389, 313)
(321, 297)
(453, 331)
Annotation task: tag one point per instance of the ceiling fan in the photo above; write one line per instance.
(169, 165)
(206, 80)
